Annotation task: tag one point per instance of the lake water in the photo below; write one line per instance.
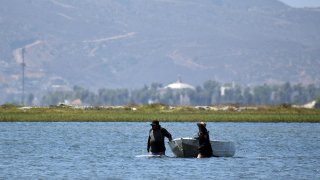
(111, 151)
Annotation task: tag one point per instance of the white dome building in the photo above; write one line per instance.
(179, 86)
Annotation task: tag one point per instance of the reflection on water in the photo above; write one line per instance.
(115, 150)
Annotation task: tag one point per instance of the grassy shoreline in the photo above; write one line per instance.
(160, 112)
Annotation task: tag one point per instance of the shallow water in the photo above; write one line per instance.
(113, 151)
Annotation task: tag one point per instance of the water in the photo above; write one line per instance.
(111, 151)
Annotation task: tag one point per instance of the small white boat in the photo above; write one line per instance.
(188, 147)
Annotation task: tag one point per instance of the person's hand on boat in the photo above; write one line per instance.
(196, 136)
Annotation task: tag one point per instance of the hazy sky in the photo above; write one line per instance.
(303, 3)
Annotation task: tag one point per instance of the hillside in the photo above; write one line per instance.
(129, 43)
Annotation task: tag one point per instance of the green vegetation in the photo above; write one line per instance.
(209, 93)
(135, 113)
(317, 105)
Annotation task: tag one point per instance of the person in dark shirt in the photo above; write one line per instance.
(205, 149)
(156, 139)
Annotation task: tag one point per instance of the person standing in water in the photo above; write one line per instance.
(156, 137)
(205, 149)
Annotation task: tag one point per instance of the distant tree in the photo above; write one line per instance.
(81, 93)
(283, 94)
(206, 95)
(211, 92)
(199, 98)
(247, 96)
(298, 96)
(30, 99)
(238, 97)
(262, 94)
(167, 97)
(170, 97)
(156, 86)
(211, 86)
(111, 97)
(52, 98)
(318, 103)
(312, 92)
(141, 96)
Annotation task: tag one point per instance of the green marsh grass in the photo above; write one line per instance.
(161, 112)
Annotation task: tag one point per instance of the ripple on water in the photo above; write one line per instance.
(109, 150)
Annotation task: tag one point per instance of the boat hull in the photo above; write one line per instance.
(188, 147)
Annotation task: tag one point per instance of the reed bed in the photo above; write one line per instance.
(163, 113)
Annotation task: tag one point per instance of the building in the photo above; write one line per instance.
(179, 87)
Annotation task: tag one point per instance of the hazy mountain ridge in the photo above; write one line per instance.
(129, 43)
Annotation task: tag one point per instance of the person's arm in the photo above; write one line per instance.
(148, 146)
(166, 134)
(196, 136)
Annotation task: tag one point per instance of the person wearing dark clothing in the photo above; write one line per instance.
(156, 139)
(205, 149)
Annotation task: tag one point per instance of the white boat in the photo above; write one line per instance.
(188, 147)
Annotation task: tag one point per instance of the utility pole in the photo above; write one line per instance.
(23, 69)
(23, 64)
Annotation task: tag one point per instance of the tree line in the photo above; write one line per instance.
(211, 92)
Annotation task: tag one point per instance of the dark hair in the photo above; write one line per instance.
(155, 123)
(202, 128)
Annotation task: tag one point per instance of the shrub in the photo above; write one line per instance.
(9, 106)
(317, 105)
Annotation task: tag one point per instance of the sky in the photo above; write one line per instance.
(302, 3)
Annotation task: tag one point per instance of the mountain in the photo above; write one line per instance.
(129, 43)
